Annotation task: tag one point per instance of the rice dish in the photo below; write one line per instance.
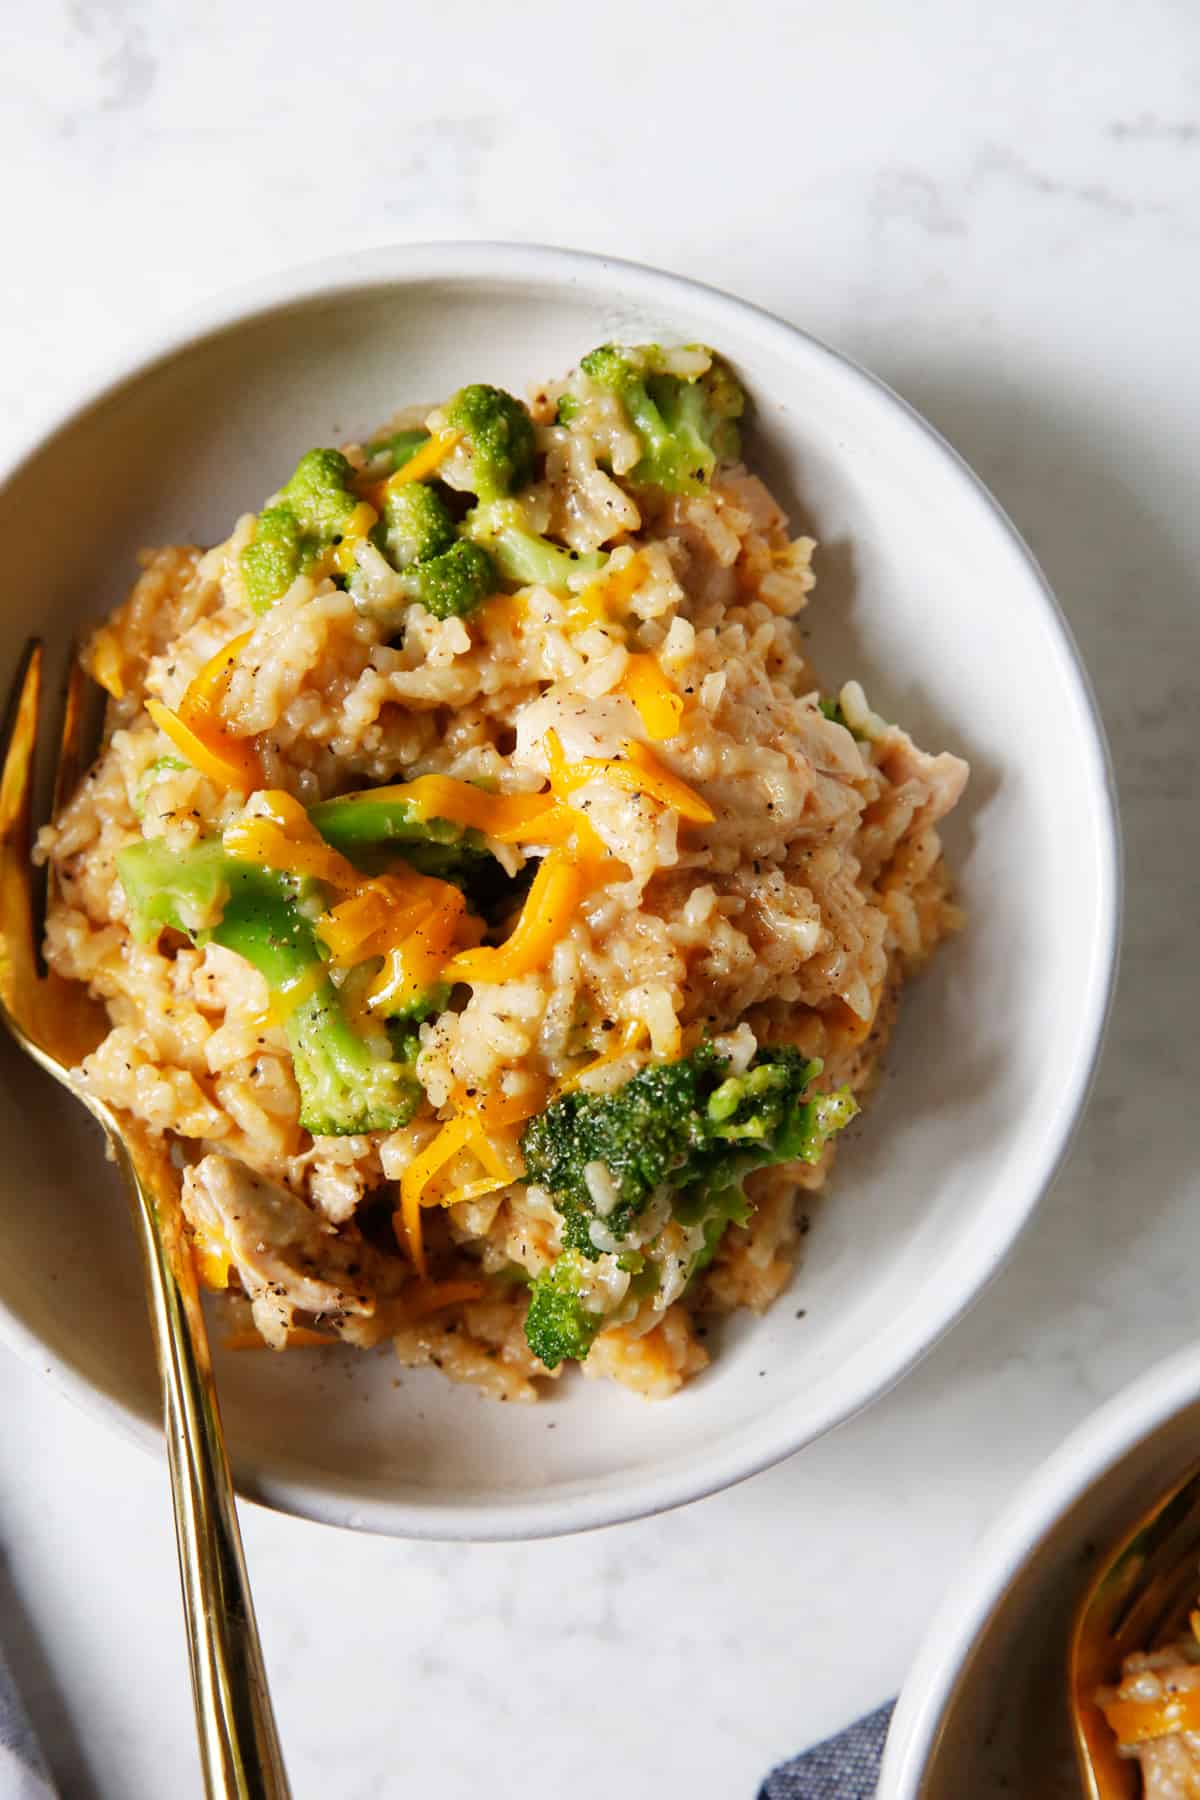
(493, 911)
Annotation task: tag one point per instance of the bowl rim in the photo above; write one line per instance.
(396, 265)
(1129, 1418)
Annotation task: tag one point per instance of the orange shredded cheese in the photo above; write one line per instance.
(106, 662)
(506, 612)
(435, 1296)
(284, 1000)
(659, 706)
(411, 921)
(462, 803)
(429, 457)
(1137, 1721)
(212, 1260)
(237, 770)
(197, 730)
(283, 837)
(608, 595)
(636, 769)
(561, 882)
(495, 1110)
(419, 1173)
(559, 824)
(412, 966)
(299, 1337)
(340, 559)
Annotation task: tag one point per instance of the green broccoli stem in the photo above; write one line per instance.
(212, 897)
(522, 556)
(371, 829)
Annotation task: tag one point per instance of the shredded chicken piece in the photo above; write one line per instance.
(276, 1242)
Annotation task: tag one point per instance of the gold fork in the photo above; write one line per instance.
(1140, 1597)
(57, 1024)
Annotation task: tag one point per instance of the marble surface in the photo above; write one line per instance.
(995, 209)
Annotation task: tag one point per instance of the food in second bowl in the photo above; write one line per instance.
(490, 907)
(1154, 1713)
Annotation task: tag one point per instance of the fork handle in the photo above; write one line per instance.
(239, 1743)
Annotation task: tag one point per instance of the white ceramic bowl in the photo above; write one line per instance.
(925, 592)
(983, 1711)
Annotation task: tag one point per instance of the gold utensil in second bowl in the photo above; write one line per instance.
(57, 1023)
(1140, 1599)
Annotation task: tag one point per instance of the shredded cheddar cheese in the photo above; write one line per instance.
(299, 1337)
(198, 733)
(412, 922)
(212, 1260)
(507, 612)
(659, 707)
(462, 803)
(414, 965)
(559, 824)
(1137, 1721)
(561, 882)
(232, 765)
(607, 596)
(416, 1178)
(282, 837)
(284, 1001)
(106, 662)
(495, 1110)
(637, 769)
(362, 520)
(428, 458)
(435, 1296)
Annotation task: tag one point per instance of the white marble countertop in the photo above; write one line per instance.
(995, 209)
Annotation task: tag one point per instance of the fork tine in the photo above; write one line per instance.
(1166, 1558)
(72, 757)
(17, 741)
(16, 812)
(75, 747)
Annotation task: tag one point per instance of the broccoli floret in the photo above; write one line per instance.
(321, 494)
(522, 556)
(643, 1134)
(689, 1126)
(454, 584)
(391, 453)
(687, 424)
(348, 1082)
(499, 438)
(273, 559)
(309, 513)
(559, 1324)
(415, 526)
(568, 409)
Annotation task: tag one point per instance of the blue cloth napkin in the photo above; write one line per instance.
(845, 1767)
(23, 1772)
